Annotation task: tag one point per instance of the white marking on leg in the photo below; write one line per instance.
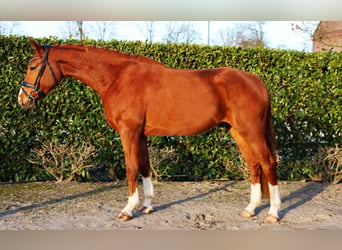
(255, 198)
(133, 201)
(274, 200)
(148, 191)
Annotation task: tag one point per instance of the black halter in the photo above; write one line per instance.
(36, 85)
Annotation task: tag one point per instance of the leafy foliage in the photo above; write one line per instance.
(306, 90)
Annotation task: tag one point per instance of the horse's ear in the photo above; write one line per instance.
(35, 45)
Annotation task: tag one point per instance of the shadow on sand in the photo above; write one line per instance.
(194, 197)
(292, 201)
(58, 200)
(297, 198)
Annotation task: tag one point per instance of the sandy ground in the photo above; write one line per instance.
(178, 205)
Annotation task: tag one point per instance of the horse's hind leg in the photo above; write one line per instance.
(269, 165)
(254, 168)
(262, 165)
(263, 152)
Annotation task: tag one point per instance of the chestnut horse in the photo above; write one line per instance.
(142, 97)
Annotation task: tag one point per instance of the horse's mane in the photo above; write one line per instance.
(93, 48)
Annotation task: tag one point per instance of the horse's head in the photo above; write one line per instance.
(42, 75)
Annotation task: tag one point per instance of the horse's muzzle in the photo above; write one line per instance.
(26, 101)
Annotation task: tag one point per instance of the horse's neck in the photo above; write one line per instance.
(89, 68)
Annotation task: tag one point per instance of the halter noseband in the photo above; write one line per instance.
(36, 85)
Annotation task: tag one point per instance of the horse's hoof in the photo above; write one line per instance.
(146, 210)
(271, 219)
(123, 216)
(246, 214)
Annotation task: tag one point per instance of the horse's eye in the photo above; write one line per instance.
(33, 67)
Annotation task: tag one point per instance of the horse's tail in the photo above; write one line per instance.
(269, 136)
(269, 133)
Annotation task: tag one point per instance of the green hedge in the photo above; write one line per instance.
(306, 90)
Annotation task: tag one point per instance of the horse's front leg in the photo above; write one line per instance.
(144, 166)
(130, 143)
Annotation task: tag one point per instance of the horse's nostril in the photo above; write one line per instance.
(25, 103)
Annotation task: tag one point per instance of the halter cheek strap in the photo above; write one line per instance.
(36, 85)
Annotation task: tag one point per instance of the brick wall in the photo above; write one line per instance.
(328, 36)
